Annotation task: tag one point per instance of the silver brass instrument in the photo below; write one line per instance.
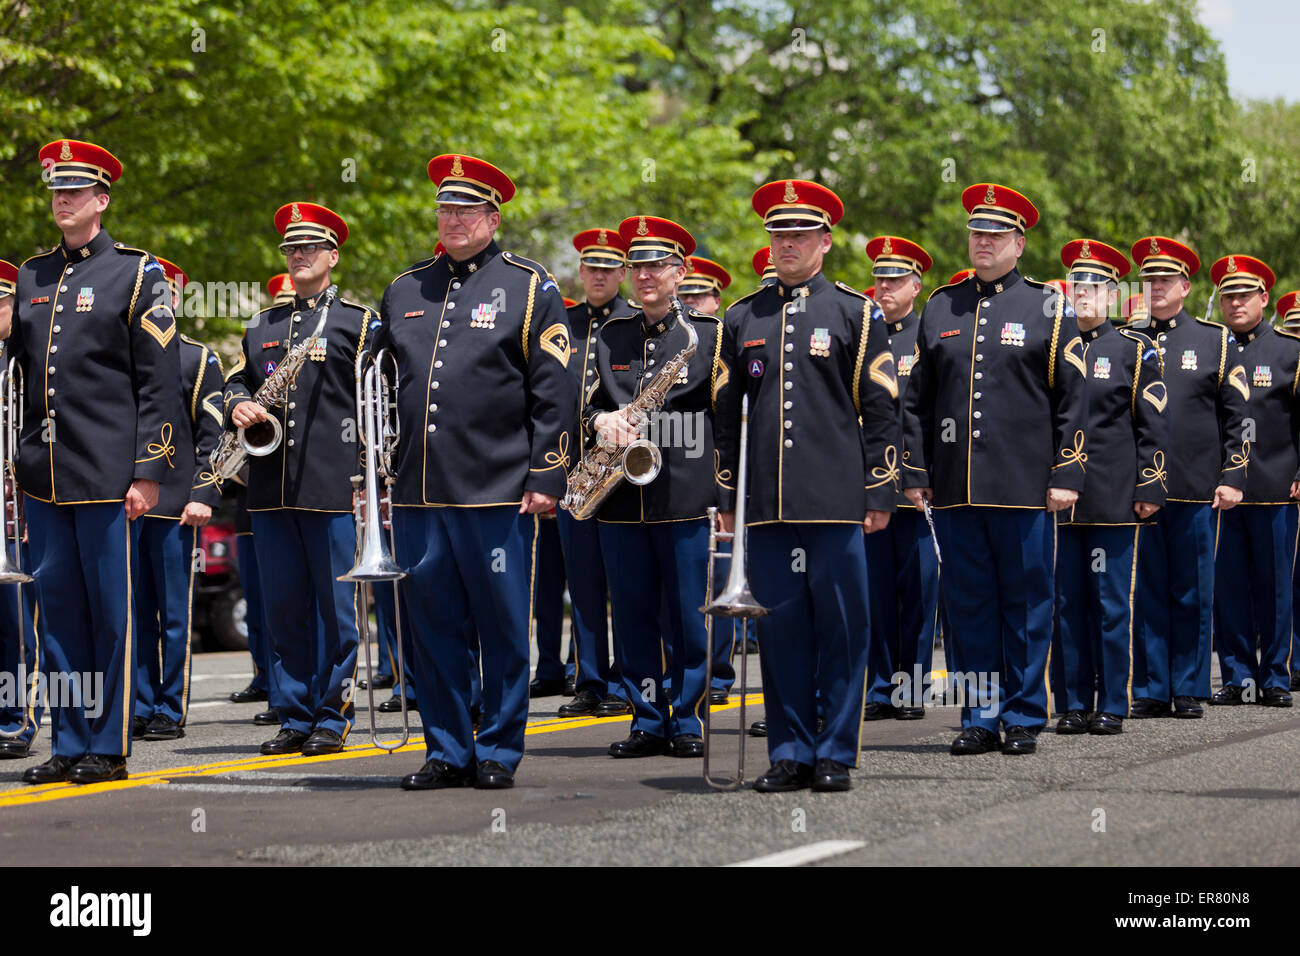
(605, 465)
(735, 602)
(934, 537)
(263, 438)
(11, 571)
(379, 434)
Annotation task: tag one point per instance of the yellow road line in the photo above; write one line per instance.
(46, 793)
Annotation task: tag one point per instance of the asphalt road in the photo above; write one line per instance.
(1189, 792)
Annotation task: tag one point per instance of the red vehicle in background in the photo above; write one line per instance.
(220, 610)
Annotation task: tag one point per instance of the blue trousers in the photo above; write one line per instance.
(82, 555)
(999, 591)
(643, 562)
(250, 583)
(1252, 594)
(164, 598)
(312, 618)
(584, 566)
(469, 572)
(1096, 567)
(813, 642)
(1175, 603)
(548, 603)
(903, 586)
(11, 717)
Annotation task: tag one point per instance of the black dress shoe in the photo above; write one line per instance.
(1188, 707)
(54, 770)
(1295, 679)
(639, 744)
(1145, 707)
(546, 688)
(1019, 741)
(249, 695)
(758, 728)
(493, 776)
(831, 775)
(1227, 695)
(394, 704)
(785, 776)
(686, 745)
(437, 775)
(14, 749)
(379, 682)
(322, 741)
(612, 706)
(570, 686)
(1275, 697)
(584, 704)
(975, 740)
(98, 768)
(285, 742)
(874, 710)
(911, 713)
(1072, 722)
(163, 727)
(1105, 725)
(267, 718)
(717, 696)
(138, 727)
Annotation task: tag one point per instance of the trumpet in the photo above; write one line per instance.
(736, 602)
(380, 431)
(11, 571)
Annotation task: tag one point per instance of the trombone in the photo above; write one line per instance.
(735, 602)
(11, 571)
(380, 430)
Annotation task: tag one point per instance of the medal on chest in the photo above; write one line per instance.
(1101, 367)
(316, 351)
(1263, 376)
(484, 316)
(905, 363)
(819, 344)
(1189, 360)
(85, 299)
(1013, 333)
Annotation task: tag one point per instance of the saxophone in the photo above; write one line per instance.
(263, 438)
(605, 465)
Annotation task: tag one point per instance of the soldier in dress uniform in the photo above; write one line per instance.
(299, 495)
(995, 418)
(20, 720)
(1171, 660)
(169, 541)
(902, 566)
(813, 357)
(1288, 310)
(483, 347)
(1255, 564)
(763, 267)
(655, 536)
(100, 415)
(1124, 486)
(598, 687)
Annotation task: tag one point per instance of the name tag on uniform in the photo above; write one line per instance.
(754, 343)
(944, 335)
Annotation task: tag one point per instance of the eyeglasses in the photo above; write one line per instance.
(463, 213)
(654, 268)
(308, 249)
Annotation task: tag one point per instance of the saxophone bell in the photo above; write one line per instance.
(261, 439)
(642, 461)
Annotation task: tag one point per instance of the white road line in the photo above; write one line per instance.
(804, 854)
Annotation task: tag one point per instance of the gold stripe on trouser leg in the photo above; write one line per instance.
(1132, 586)
(128, 658)
(189, 630)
